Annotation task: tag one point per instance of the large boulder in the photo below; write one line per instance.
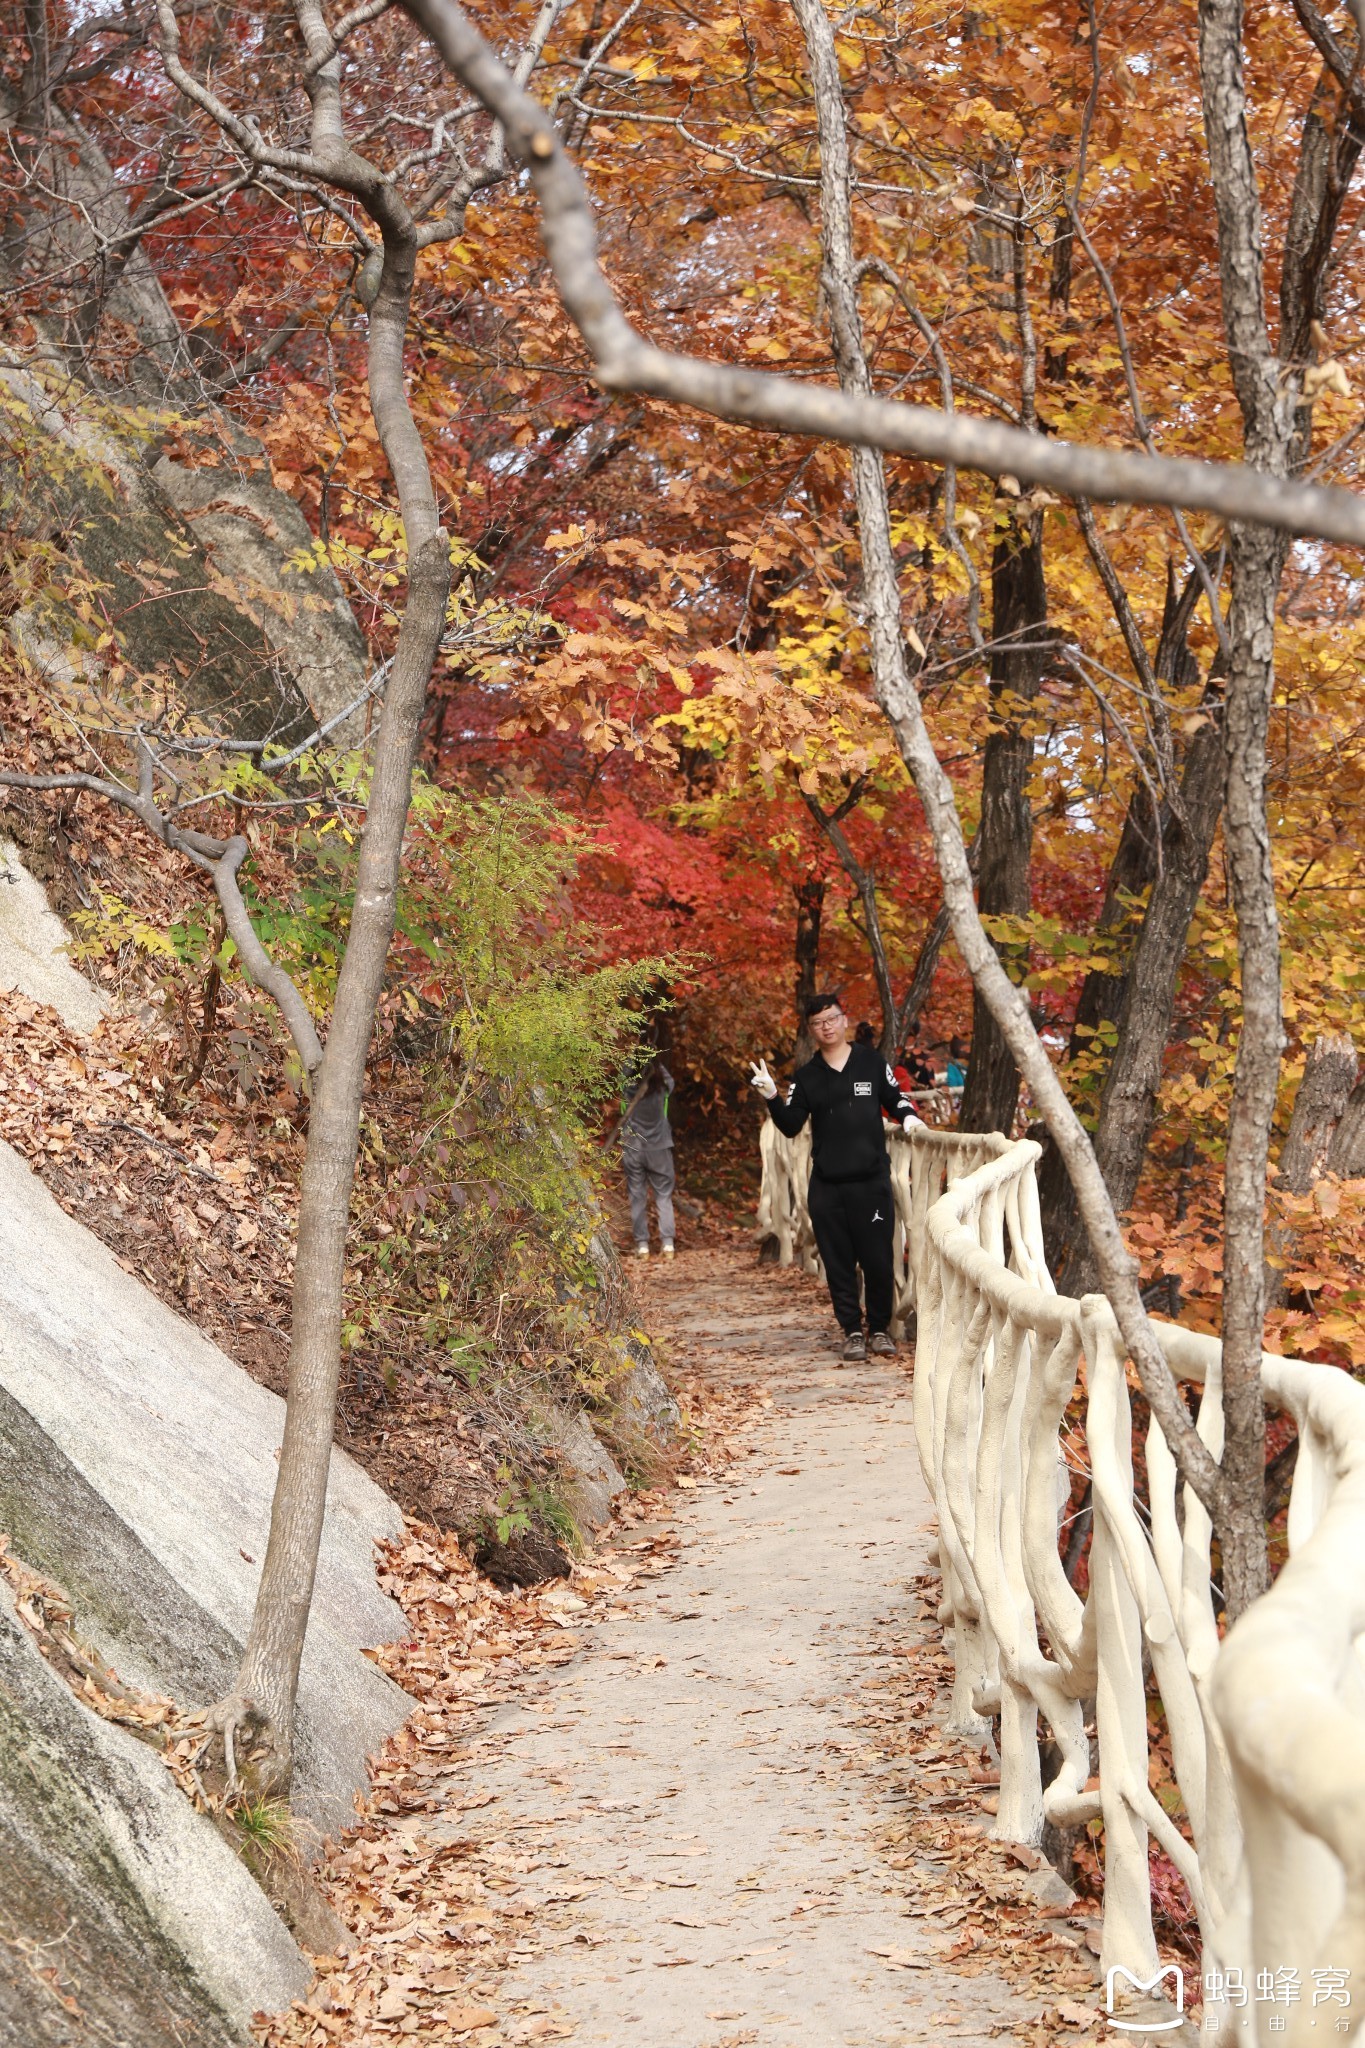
(127, 1917)
(33, 943)
(137, 1464)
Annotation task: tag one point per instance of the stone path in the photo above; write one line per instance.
(689, 1804)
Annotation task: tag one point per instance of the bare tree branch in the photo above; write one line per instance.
(220, 859)
(624, 361)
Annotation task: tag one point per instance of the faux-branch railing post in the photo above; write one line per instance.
(1266, 1726)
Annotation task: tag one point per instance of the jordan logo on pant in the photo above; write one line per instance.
(877, 1216)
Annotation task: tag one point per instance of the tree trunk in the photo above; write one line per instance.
(922, 975)
(1104, 994)
(1131, 1085)
(267, 1683)
(1257, 560)
(1135, 865)
(1319, 1104)
(865, 882)
(1268, 395)
(1328, 1078)
(1347, 1154)
(896, 694)
(810, 905)
(1019, 610)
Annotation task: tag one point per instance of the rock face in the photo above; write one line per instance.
(642, 1401)
(209, 569)
(137, 1464)
(259, 541)
(589, 1480)
(33, 944)
(141, 1926)
(195, 553)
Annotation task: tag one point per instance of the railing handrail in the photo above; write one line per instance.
(1266, 1726)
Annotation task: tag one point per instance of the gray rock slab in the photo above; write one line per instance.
(127, 1917)
(589, 1479)
(137, 1464)
(261, 541)
(33, 943)
(641, 1399)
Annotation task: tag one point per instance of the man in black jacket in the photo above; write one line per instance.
(843, 1091)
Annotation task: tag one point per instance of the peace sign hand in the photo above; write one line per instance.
(760, 1078)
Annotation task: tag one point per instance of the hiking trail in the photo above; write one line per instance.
(693, 1803)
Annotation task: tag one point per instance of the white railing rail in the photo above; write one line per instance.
(1266, 1728)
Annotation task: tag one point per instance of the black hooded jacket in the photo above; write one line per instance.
(845, 1108)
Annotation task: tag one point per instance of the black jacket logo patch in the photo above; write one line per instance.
(862, 1087)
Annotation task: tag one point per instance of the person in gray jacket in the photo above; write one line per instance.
(647, 1154)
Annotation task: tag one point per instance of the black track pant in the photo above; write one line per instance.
(854, 1224)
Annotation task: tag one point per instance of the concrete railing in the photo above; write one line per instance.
(1016, 1385)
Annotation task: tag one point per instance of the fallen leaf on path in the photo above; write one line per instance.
(1026, 1858)
(560, 1600)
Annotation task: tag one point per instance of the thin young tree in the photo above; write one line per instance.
(391, 231)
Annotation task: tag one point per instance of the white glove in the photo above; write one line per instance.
(760, 1078)
(912, 1123)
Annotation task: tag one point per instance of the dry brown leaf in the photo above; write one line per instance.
(468, 2019)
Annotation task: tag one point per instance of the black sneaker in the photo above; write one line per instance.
(882, 1344)
(855, 1348)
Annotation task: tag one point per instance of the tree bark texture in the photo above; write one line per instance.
(269, 1675)
(1267, 396)
(1005, 839)
(1139, 855)
(1257, 560)
(1320, 1102)
(1329, 1076)
(1347, 1154)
